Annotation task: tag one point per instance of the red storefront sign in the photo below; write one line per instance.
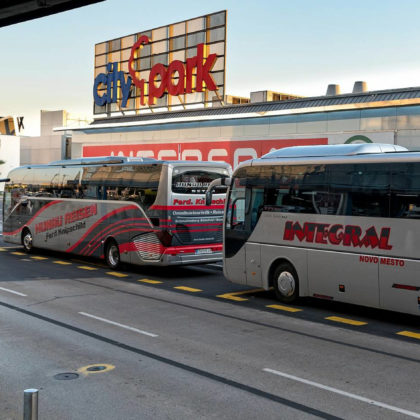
(232, 152)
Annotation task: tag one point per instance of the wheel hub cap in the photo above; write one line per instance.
(286, 283)
(113, 255)
(27, 241)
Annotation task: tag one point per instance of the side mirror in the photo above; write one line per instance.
(217, 182)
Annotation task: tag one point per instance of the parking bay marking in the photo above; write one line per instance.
(150, 281)
(234, 295)
(345, 320)
(116, 274)
(12, 291)
(39, 258)
(127, 327)
(62, 262)
(18, 253)
(344, 393)
(86, 267)
(284, 308)
(409, 334)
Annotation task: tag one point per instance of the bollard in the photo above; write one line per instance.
(30, 404)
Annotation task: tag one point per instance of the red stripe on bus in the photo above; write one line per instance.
(107, 216)
(186, 207)
(322, 296)
(15, 232)
(110, 231)
(121, 231)
(194, 230)
(405, 287)
(188, 249)
(174, 250)
(100, 234)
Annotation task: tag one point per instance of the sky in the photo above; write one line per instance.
(296, 47)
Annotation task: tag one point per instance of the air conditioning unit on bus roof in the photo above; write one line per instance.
(333, 150)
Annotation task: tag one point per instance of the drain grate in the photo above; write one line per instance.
(66, 376)
(96, 368)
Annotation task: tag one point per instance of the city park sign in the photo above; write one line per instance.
(179, 64)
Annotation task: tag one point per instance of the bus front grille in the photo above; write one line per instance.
(148, 246)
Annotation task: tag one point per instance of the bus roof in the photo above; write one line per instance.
(334, 150)
(336, 154)
(122, 160)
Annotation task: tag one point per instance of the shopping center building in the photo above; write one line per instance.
(162, 93)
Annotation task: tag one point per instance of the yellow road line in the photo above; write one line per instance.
(2, 250)
(62, 262)
(345, 320)
(86, 267)
(150, 281)
(39, 258)
(188, 289)
(284, 308)
(18, 253)
(91, 263)
(235, 295)
(409, 334)
(116, 274)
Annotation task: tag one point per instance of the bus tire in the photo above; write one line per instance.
(27, 240)
(286, 283)
(112, 254)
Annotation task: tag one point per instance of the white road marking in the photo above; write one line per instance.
(12, 291)
(346, 394)
(119, 325)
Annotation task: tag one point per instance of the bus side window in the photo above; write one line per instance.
(257, 204)
(7, 206)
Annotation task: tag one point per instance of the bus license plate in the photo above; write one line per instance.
(203, 251)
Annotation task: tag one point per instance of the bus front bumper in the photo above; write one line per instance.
(180, 255)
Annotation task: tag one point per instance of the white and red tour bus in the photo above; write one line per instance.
(335, 222)
(134, 210)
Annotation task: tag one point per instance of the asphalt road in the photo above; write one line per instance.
(183, 343)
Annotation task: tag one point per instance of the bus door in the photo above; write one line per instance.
(255, 196)
(236, 233)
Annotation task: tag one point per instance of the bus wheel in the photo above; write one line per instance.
(27, 240)
(286, 283)
(112, 254)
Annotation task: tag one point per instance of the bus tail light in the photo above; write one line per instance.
(165, 237)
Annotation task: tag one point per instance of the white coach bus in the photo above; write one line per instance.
(140, 211)
(335, 222)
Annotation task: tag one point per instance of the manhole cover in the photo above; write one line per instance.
(66, 376)
(96, 368)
